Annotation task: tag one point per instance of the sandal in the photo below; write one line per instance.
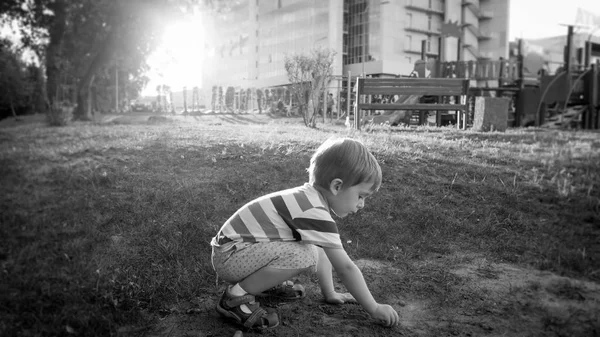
(288, 290)
(229, 306)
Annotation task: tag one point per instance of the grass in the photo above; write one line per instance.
(106, 226)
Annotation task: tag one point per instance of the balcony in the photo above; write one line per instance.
(479, 55)
(479, 34)
(485, 54)
(418, 52)
(423, 30)
(486, 15)
(479, 14)
(425, 9)
(485, 35)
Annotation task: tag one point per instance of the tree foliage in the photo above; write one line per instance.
(82, 43)
(17, 81)
(229, 98)
(308, 74)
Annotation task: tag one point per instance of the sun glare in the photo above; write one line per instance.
(177, 62)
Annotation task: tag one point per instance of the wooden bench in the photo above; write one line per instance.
(414, 86)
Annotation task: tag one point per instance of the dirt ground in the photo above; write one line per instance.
(515, 302)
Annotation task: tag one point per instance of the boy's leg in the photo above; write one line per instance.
(268, 259)
(255, 268)
(267, 278)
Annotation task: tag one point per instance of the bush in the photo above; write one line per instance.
(60, 114)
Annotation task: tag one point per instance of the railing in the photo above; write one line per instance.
(432, 31)
(485, 14)
(479, 34)
(425, 9)
(470, 3)
(473, 50)
(502, 70)
(479, 13)
(485, 35)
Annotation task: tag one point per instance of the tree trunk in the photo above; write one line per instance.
(56, 32)
(12, 108)
(101, 58)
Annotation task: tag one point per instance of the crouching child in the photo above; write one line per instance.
(283, 234)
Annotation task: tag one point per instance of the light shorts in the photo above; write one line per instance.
(234, 262)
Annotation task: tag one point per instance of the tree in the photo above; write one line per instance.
(308, 74)
(79, 40)
(229, 98)
(248, 98)
(213, 100)
(259, 98)
(15, 81)
(220, 98)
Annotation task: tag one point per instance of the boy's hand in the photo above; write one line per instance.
(339, 298)
(386, 315)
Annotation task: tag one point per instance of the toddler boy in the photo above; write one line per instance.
(278, 236)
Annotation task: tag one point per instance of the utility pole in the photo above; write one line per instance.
(116, 89)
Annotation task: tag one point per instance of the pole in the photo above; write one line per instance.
(363, 57)
(588, 54)
(116, 89)
(349, 94)
(358, 110)
(568, 54)
(324, 101)
(339, 92)
(594, 99)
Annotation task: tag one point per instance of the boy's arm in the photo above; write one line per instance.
(326, 281)
(354, 281)
(351, 277)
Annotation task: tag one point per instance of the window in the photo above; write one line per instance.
(429, 22)
(430, 3)
(428, 42)
(408, 42)
(408, 19)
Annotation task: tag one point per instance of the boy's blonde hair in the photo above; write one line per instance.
(344, 158)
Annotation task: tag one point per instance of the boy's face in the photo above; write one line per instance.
(349, 200)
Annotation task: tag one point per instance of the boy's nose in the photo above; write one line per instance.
(361, 204)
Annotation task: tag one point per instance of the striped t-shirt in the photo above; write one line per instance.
(296, 214)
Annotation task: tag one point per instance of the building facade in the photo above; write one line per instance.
(371, 37)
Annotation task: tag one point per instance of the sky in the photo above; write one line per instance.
(532, 19)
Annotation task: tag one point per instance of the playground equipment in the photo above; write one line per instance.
(404, 87)
(569, 98)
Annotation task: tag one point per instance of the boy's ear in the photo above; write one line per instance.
(336, 185)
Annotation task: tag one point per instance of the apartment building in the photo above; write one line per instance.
(372, 37)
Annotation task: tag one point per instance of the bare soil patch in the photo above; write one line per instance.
(506, 301)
